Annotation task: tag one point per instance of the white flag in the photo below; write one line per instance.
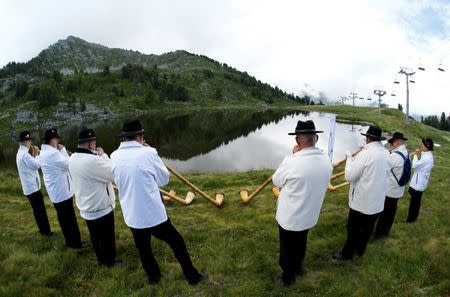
(331, 136)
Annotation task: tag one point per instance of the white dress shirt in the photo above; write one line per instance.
(139, 172)
(394, 190)
(55, 168)
(303, 178)
(422, 170)
(28, 171)
(367, 173)
(92, 183)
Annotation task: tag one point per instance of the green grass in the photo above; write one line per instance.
(238, 245)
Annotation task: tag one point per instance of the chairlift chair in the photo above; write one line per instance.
(421, 68)
(412, 81)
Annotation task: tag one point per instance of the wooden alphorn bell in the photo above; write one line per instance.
(244, 193)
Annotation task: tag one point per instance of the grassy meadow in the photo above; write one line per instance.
(237, 245)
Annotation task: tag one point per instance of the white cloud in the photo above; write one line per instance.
(332, 46)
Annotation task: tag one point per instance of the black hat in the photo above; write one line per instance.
(25, 135)
(51, 133)
(132, 128)
(428, 143)
(86, 135)
(397, 135)
(306, 127)
(374, 132)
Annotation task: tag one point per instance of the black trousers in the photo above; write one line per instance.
(359, 229)
(386, 217)
(414, 204)
(167, 233)
(103, 238)
(292, 250)
(68, 223)
(39, 212)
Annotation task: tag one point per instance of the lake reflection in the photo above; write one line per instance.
(265, 147)
(214, 141)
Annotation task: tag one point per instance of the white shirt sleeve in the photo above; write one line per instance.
(160, 171)
(61, 160)
(103, 169)
(31, 162)
(418, 164)
(354, 168)
(279, 178)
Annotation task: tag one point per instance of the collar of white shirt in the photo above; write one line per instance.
(306, 151)
(127, 144)
(23, 148)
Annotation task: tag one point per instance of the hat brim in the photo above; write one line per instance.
(27, 138)
(86, 139)
(305, 132)
(46, 138)
(131, 133)
(374, 137)
(392, 139)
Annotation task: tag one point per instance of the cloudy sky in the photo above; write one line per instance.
(320, 47)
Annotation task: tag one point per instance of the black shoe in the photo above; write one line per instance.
(339, 257)
(287, 280)
(154, 279)
(198, 278)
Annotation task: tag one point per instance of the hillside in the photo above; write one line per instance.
(76, 80)
(238, 245)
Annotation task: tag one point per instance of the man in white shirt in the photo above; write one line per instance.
(91, 172)
(419, 181)
(28, 167)
(139, 172)
(55, 168)
(303, 178)
(397, 158)
(367, 173)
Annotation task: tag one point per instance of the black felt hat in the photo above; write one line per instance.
(131, 128)
(428, 143)
(374, 132)
(86, 135)
(397, 135)
(25, 135)
(306, 127)
(51, 133)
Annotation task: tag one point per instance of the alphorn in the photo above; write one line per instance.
(244, 193)
(343, 160)
(332, 188)
(219, 196)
